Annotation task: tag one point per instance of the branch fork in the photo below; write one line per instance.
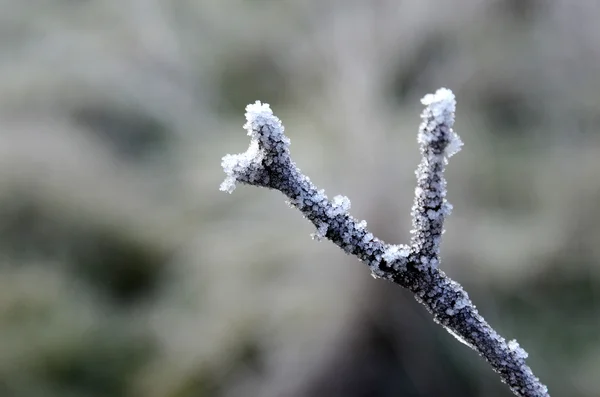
(267, 163)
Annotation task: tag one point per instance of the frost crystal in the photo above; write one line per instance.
(340, 205)
(513, 345)
(461, 303)
(321, 232)
(438, 119)
(395, 252)
(260, 118)
(442, 105)
(268, 146)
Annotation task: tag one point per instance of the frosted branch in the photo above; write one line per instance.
(267, 163)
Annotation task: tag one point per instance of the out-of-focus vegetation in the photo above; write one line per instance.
(125, 272)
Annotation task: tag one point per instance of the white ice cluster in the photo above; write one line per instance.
(396, 254)
(438, 119)
(339, 205)
(236, 165)
(514, 346)
(321, 232)
(262, 124)
(459, 304)
(268, 145)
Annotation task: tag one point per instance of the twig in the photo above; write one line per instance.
(267, 163)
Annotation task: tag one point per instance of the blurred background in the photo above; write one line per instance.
(125, 272)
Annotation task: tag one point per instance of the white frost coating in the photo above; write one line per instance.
(340, 206)
(259, 115)
(461, 303)
(434, 262)
(439, 112)
(268, 145)
(441, 106)
(513, 345)
(321, 232)
(235, 164)
(454, 145)
(394, 252)
(437, 142)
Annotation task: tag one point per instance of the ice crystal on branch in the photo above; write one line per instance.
(438, 119)
(267, 163)
(437, 141)
(268, 146)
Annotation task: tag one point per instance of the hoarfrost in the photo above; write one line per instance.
(513, 345)
(395, 252)
(321, 232)
(340, 205)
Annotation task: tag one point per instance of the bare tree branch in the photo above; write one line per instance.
(267, 163)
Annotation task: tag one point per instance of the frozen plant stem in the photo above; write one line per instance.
(267, 163)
